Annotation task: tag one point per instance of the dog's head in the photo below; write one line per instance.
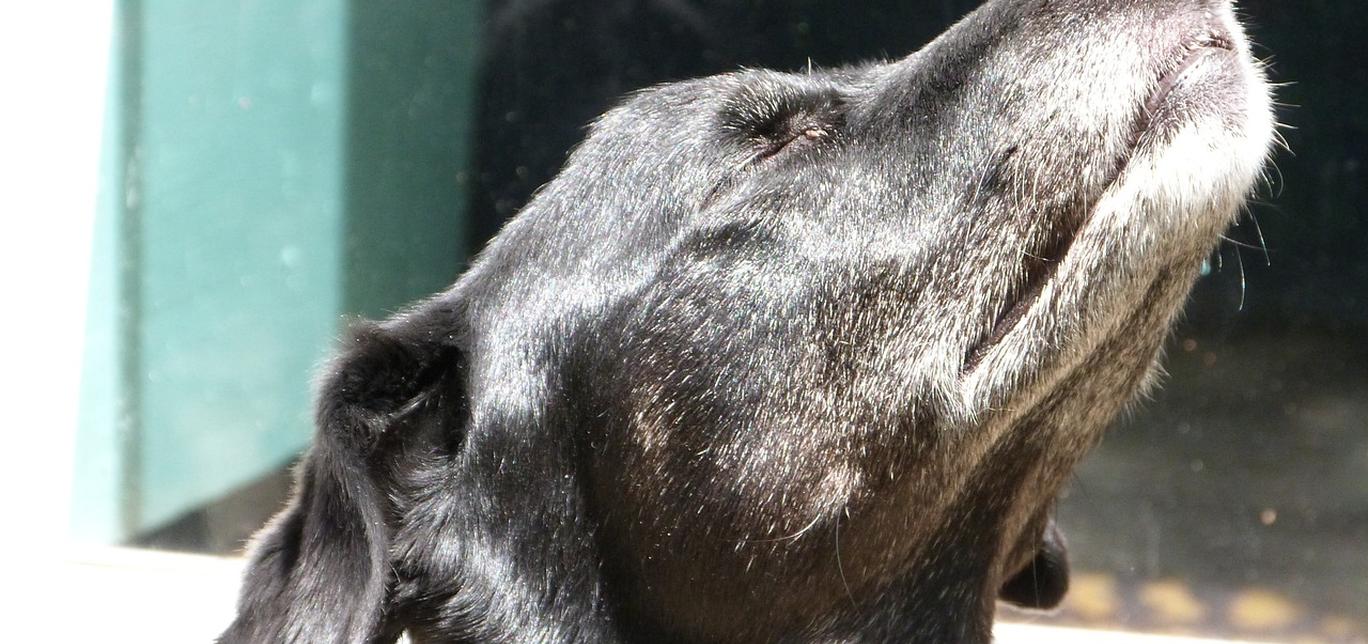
(797, 355)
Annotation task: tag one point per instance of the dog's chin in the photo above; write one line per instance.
(1201, 138)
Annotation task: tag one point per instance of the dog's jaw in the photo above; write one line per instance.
(1202, 135)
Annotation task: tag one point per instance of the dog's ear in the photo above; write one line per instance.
(320, 572)
(1044, 581)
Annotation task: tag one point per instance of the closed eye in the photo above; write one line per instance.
(765, 150)
(806, 136)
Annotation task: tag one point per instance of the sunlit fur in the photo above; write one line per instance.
(782, 357)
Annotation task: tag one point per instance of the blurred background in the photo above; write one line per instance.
(252, 172)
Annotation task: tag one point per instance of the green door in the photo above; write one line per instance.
(268, 168)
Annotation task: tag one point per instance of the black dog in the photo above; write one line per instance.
(782, 357)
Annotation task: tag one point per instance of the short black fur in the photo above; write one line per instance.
(781, 357)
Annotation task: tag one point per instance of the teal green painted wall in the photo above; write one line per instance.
(412, 105)
(270, 168)
(238, 159)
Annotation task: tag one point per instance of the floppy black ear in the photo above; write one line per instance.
(1044, 581)
(320, 571)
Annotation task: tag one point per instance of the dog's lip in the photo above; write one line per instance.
(1211, 39)
(1040, 269)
